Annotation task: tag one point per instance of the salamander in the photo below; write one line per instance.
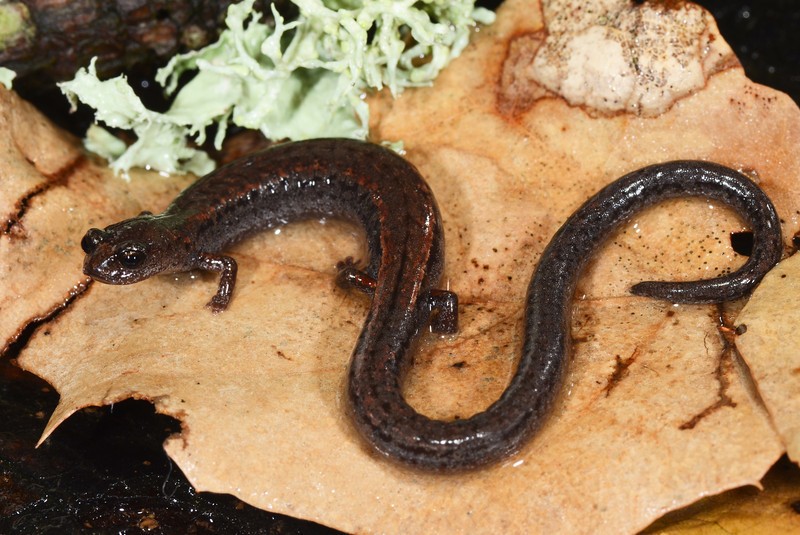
(385, 194)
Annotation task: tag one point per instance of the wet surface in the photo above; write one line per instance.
(104, 470)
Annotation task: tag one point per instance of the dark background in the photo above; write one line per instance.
(104, 470)
(765, 36)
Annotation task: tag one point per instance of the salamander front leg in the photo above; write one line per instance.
(226, 267)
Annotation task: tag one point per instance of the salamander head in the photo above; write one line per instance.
(129, 251)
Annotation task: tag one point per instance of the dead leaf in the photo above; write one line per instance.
(769, 345)
(657, 413)
(771, 511)
(51, 192)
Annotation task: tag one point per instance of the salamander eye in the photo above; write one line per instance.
(131, 256)
(91, 240)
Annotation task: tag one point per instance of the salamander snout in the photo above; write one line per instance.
(129, 251)
(115, 262)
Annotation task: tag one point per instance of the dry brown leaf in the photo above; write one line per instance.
(657, 413)
(747, 511)
(50, 192)
(770, 348)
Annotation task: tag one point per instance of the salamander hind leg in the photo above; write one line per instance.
(350, 276)
(443, 311)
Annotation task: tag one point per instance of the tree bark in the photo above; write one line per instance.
(46, 41)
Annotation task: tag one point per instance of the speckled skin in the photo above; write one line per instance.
(368, 184)
(507, 424)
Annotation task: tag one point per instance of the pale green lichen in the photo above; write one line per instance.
(7, 77)
(292, 79)
(14, 23)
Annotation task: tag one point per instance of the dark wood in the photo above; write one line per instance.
(56, 37)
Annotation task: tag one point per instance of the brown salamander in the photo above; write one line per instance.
(385, 194)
